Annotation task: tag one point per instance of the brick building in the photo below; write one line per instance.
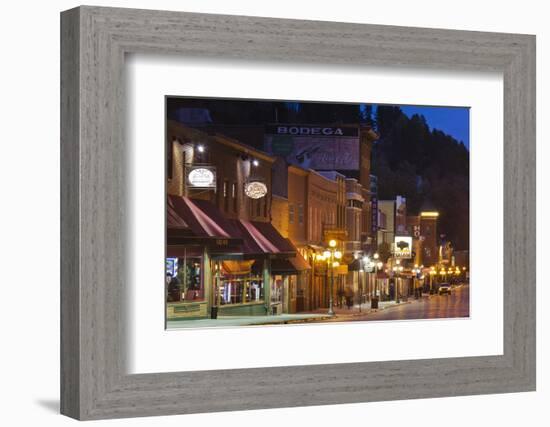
(223, 254)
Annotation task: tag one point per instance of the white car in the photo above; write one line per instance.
(444, 289)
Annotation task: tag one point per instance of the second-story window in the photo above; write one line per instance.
(234, 196)
(291, 213)
(170, 157)
(300, 214)
(225, 196)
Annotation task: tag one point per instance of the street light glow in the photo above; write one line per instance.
(200, 148)
(337, 254)
(335, 264)
(326, 254)
(376, 256)
(332, 243)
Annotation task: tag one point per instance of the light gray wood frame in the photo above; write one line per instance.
(94, 41)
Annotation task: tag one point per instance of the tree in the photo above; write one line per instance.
(413, 161)
(384, 251)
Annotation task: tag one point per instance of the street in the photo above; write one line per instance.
(432, 307)
(428, 307)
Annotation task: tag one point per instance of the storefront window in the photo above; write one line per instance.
(277, 289)
(184, 279)
(239, 282)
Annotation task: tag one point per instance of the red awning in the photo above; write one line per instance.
(262, 238)
(192, 219)
(201, 217)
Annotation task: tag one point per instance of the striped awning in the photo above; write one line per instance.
(262, 238)
(189, 219)
(200, 217)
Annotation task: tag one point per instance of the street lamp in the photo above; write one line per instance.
(399, 281)
(332, 256)
(432, 274)
(363, 269)
(377, 266)
(395, 285)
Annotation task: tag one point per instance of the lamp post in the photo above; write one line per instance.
(432, 273)
(364, 263)
(416, 281)
(400, 281)
(377, 266)
(331, 255)
(397, 269)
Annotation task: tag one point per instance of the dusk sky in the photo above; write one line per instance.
(454, 121)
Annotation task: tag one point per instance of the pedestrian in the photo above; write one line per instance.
(174, 288)
(340, 299)
(167, 289)
(349, 297)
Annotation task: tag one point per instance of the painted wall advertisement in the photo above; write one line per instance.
(315, 147)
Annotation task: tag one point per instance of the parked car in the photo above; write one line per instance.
(444, 288)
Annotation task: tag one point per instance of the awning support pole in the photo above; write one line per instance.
(267, 284)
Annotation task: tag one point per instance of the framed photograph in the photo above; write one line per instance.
(262, 213)
(271, 221)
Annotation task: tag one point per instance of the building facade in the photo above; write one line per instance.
(223, 255)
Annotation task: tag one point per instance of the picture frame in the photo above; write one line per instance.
(94, 42)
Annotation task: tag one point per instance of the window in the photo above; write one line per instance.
(184, 280)
(240, 288)
(300, 214)
(219, 190)
(291, 213)
(277, 289)
(225, 198)
(352, 203)
(234, 196)
(169, 157)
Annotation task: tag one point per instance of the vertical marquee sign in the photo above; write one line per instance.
(374, 221)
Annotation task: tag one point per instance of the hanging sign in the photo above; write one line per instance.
(402, 247)
(255, 189)
(201, 177)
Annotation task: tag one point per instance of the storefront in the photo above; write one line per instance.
(289, 279)
(239, 287)
(217, 266)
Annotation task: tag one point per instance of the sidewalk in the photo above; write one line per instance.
(341, 313)
(230, 321)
